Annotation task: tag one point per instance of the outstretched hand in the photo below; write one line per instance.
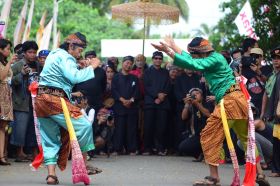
(161, 47)
(169, 41)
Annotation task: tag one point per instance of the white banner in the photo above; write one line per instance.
(44, 45)
(133, 47)
(244, 21)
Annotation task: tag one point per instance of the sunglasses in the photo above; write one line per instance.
(157, 58)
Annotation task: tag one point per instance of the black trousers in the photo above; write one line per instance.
(155, 123)
(276, 156)
(191, 146)
(125, 133)
(180, 127)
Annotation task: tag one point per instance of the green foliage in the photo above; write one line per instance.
(203, 31)
(104, 6)
(226, 36)
(72, 17)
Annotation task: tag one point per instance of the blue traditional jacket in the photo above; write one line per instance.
(61, 71)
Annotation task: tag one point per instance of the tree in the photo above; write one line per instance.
(204, 30)
(73, 17)
(105, 7)
(226, 35)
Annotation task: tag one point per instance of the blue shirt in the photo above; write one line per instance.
(61, 71)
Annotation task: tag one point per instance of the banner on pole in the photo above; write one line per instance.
(5, 13)
(244, 21)
(28, 24)
(20, 24)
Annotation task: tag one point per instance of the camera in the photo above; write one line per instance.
(20, 54)
(235, 65)
(77, 99)
(29, 70)
(109, 116)
(193, 97)
(247, 61)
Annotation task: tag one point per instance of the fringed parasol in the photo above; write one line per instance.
(145, 12)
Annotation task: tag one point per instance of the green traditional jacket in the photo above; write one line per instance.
(21, 95)
(215, 69)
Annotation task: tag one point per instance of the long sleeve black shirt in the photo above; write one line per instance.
(126, 86)
(156, 81)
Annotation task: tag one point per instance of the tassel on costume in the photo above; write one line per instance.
(37, 162)
(79, 171)
(250, 168)
(236, 178)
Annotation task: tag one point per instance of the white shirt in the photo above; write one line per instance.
(90, 116)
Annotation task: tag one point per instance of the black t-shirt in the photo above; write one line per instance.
(255, 87)
(94, 88)
(199, 119)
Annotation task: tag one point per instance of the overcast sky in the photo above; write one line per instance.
(201, 11)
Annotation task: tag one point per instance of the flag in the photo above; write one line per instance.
(244, 21)
(40, 31)
(44, 44)
(55, 13)
(5, 16)
(29, 21)
(20, 24)
(57, 40)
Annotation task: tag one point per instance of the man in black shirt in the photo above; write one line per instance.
(125, 91)
(93, 89)
(156, 105)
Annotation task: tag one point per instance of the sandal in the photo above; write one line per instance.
(54, 182)
(22, 159)
(274, 174)
(93, 170)
(261, 180)
(208, 181)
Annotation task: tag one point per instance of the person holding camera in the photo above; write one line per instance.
(24, 71)
(125, 91)
(183, 84)
(103, 129)
(199, 111)
(82, 102)
(251, 70)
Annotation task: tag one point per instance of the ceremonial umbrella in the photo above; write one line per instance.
(145, 12)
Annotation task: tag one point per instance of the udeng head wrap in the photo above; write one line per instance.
(77, 39)
(199, 45)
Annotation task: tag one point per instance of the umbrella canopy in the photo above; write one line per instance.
(152, 13)
(145, 12)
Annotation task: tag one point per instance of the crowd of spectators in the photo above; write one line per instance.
(140, 108)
